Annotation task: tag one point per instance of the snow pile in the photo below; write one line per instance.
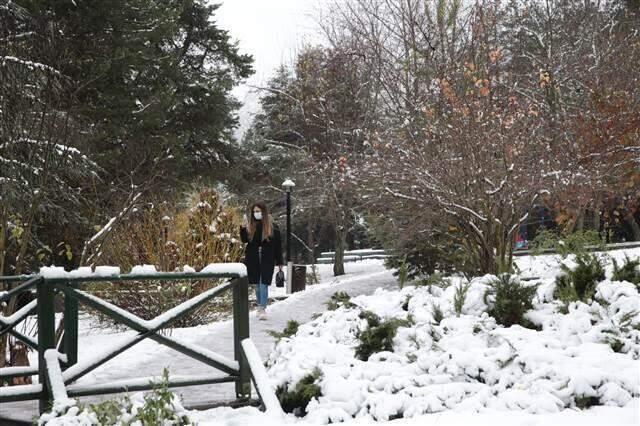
(588, 356)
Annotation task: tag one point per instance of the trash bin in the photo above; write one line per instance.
(299, 281)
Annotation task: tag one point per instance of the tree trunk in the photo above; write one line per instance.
(338, 261)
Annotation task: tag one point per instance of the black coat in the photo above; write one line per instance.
(260, 269)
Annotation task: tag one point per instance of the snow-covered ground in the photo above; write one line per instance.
(148, 358)
(525, 377)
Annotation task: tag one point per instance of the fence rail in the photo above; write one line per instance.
(58, 368)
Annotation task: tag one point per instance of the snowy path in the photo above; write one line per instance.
(149, 358)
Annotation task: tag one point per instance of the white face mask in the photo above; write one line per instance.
(257, 215)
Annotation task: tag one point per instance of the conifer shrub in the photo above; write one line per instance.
(290, 329)
(510, 300)
(574, 243)
(460, 296)
(378, 336)
(340, 298)
(629, 271)
(579, 283)
(437, 314)
(296, 399)
(437, 279)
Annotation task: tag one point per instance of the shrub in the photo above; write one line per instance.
(290, 329)
(460, 296)
(579, 283)
(573, 243)
(158, 407)
(405, 304)
(437, 314)
(340, 298)
(511, 300)
(296, 400)
(436, 279)
(629, 271)
(159, 235)
(378, 336)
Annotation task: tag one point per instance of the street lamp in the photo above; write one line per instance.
(287, 185)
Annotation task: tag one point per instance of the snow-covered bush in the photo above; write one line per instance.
(158, 407)
(510, 300)
(629, 271)
(294, 399)
(378, 335)
(339, 298)
(586, 356)
(580, 282)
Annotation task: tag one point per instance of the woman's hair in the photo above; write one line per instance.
(267, 226)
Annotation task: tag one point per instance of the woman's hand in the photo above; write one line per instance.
(245, 221)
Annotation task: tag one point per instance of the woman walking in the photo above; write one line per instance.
(263, 252)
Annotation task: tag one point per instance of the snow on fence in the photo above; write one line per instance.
(261, 379)
(58, 371)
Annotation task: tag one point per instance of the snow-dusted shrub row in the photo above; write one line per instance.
(439, 360)
(159, 407)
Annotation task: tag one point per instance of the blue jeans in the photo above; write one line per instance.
(262, 294)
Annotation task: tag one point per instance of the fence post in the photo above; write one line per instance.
(241, 332)
(46, 337)
(70, 328)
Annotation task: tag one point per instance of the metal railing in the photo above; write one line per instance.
(63, 361)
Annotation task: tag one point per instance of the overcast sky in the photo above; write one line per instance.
(270, 30)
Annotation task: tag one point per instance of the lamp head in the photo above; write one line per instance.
(288, 184)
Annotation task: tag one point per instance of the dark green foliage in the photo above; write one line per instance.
(437, 314)
(423, 257)
(579, 283)
(574, 243)
(629, 271)
(436, 279)
(584, 402)
(290, 329)
(296, 400)
(405, 305)
(512, 300)
(378, 337)
(460, 296)
(340, 298)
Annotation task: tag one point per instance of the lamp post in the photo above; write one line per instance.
(287, 185)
